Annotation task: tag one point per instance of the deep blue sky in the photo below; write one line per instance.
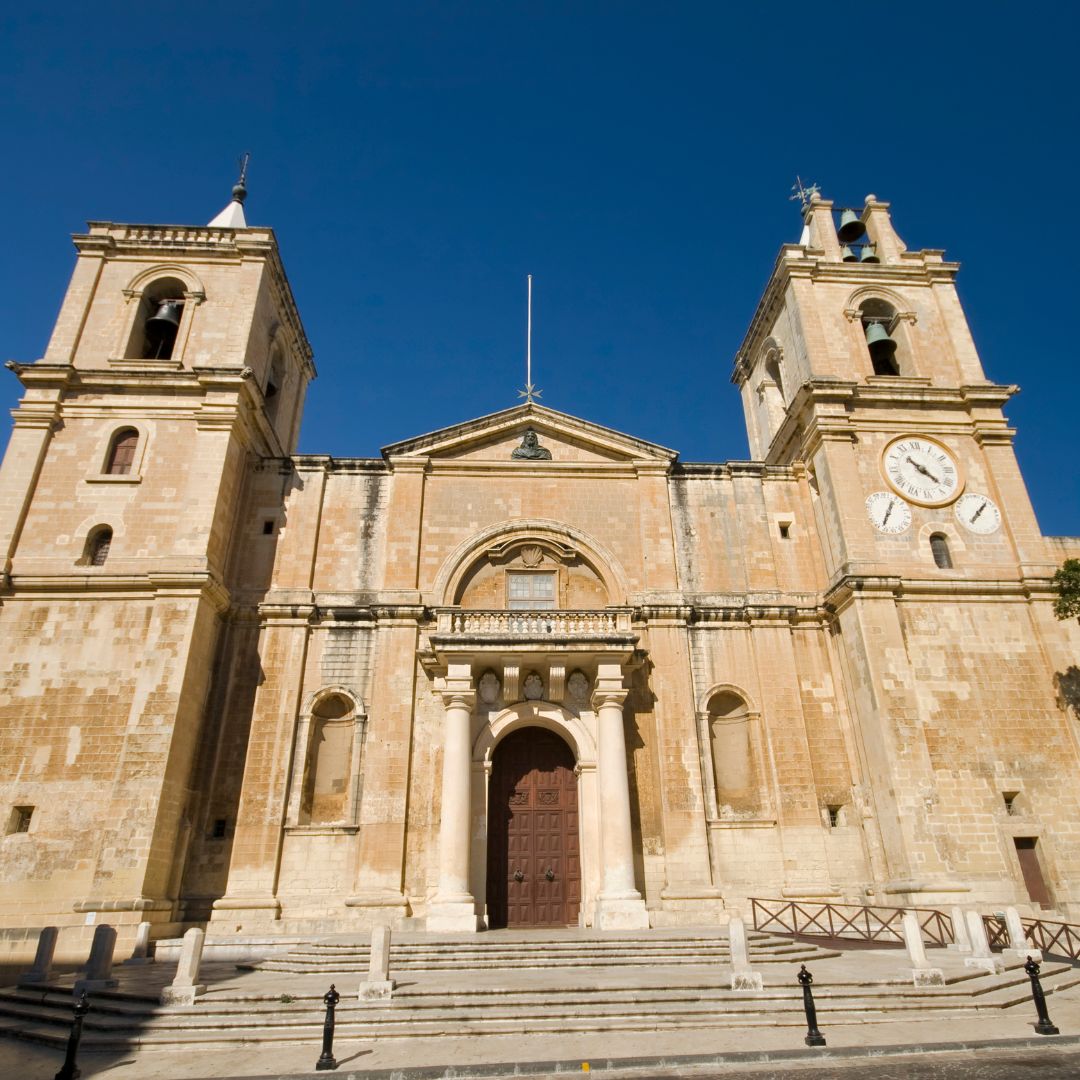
(418, 160)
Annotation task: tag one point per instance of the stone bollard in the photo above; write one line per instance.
(43, 958)
(140, 954)
(379, 985)
(981, 957)
(185, 987)
(1018, 943)
(743, 976)
(99, 966)
(961, 941)
(921, 971)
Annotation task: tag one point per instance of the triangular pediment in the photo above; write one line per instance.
(495, 437)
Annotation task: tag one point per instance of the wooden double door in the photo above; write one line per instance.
(534, 863)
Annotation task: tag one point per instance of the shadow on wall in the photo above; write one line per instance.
(1067, 689)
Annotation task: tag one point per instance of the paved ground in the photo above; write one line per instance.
(854, 1049)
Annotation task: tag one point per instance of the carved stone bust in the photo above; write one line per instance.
(530, 448)
(489, 688)
(578, 687)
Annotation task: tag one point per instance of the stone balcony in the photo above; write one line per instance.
(601, 623)
(541, 636)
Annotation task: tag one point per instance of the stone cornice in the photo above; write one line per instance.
(88, 585)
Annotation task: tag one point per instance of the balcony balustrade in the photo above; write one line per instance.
(601, 623)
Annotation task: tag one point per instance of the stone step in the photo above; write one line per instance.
(572, 1010)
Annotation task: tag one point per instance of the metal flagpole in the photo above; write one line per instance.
(530, 392)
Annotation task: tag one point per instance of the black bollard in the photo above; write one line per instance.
(813, 1036)
(69, 1070)
(326, 1058)
(1044, 1026)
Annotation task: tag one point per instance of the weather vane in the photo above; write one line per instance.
(803, 194)
(530, 392)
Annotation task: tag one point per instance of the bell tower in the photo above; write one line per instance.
(177, 363)
(857, 342)
(859, 368)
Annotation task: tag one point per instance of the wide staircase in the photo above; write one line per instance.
(505, 984)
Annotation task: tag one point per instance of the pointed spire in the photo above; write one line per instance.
(232, 217)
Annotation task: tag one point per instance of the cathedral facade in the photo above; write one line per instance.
(524, 671)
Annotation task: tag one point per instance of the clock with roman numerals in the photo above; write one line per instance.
(922, 470)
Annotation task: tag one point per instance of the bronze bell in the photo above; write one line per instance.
(869, 254)
(851, 228)
(882, 347)
(847, 255)
(167, 317)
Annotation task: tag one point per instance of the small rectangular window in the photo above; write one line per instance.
(20, 819)
(1010, 801)
(268, 528)
(834, 817)
(219, 829)
(530, 592)
(785, 530)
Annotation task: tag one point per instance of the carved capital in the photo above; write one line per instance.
(458, 698)
(609, 698)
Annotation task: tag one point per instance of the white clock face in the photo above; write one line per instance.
(978, 513)
(921, 469)
(888, 512)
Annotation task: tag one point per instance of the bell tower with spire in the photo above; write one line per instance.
(860, 373)
(178, 366)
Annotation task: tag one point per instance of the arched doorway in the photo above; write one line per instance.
(534, 864)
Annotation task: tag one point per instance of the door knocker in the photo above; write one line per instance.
(549, 874)
(518, 875)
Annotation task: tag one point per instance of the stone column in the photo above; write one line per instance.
(453, 907)
(981, 957)
(140, 954)
(619, 905)
(379, 985)
(961, 942)
(185, 987)
(99, 966)
(921, 971)
(743, 977)
(1018, 943)
(43, 958)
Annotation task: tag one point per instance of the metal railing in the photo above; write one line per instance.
(865, 922)
(856, 922)
(1056, 938)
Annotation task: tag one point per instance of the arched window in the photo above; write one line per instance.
(121, 454)
(275, 380)
(939, 546)
(97, 545)
(732, 746)
(153, 337)
(772, 370)
(879, 325)
(325, 795)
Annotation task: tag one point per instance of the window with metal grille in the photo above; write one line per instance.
(20, 819)
(530, 592)
(939, 546)
(122, 452)
(100, 543)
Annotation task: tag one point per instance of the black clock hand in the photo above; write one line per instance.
(887, 513)
(925, 471)
(978, 512)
